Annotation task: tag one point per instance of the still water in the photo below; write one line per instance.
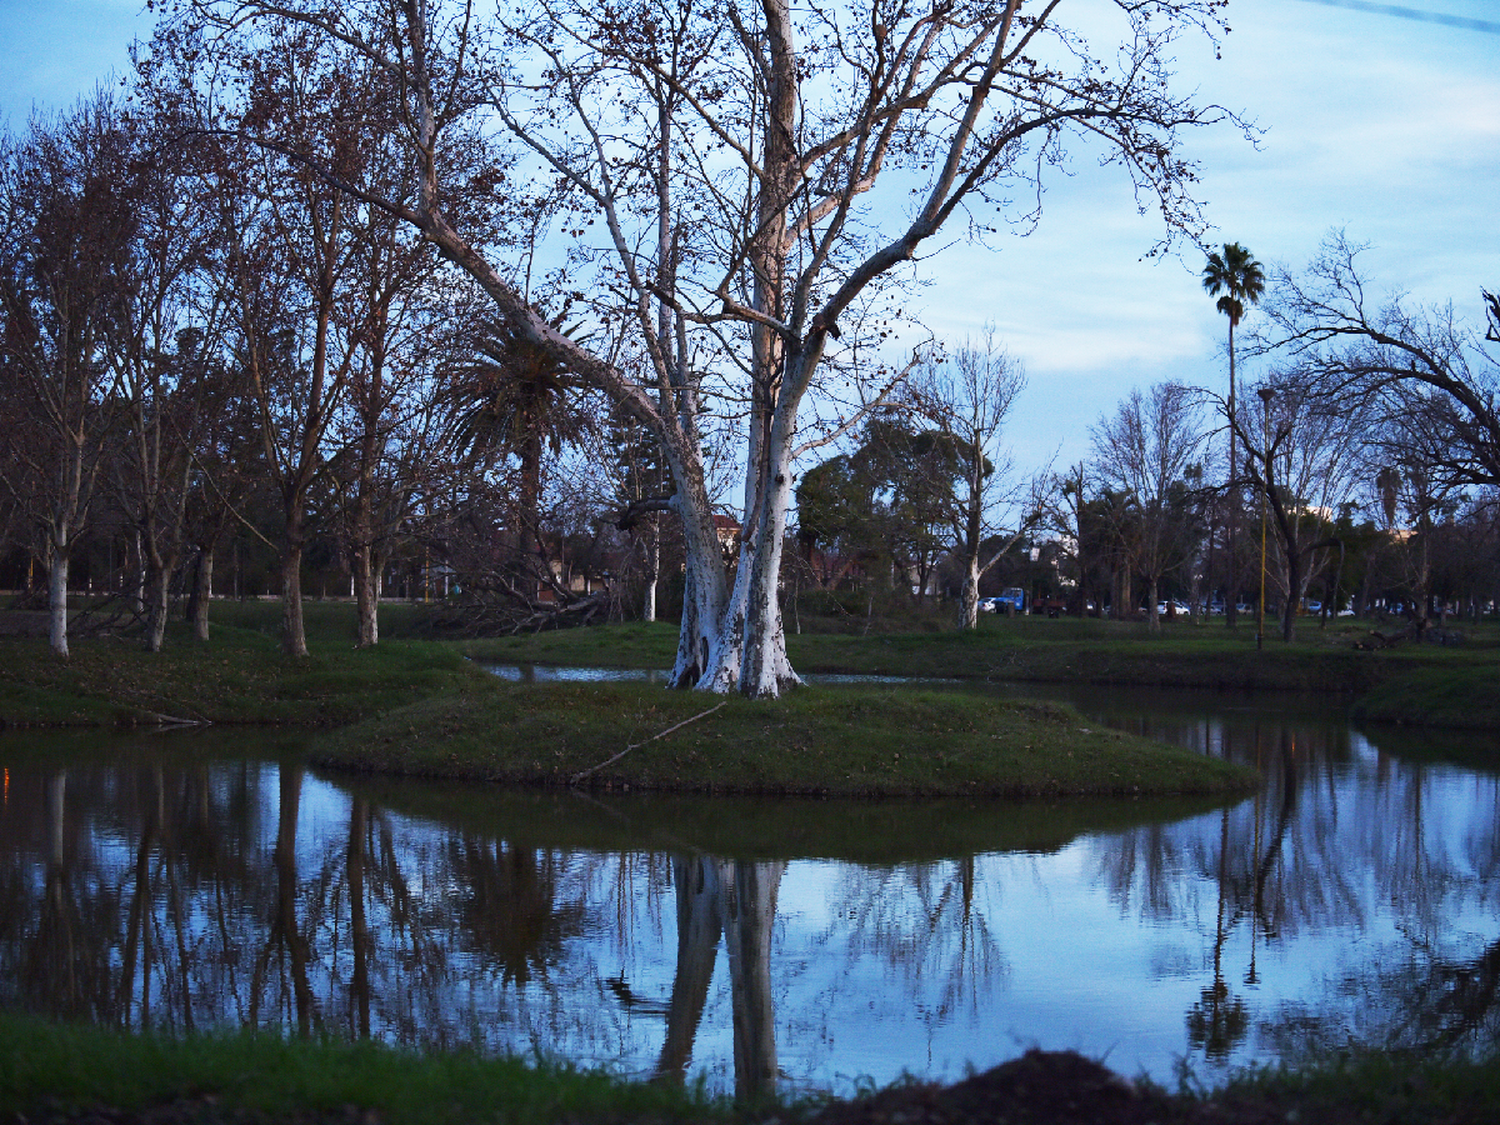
(196, 881)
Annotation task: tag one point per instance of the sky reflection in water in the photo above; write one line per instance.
(1355, 897)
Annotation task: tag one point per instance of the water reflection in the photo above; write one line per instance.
(1354, 897)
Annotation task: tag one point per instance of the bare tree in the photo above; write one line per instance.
(301, 298)
(1306, 462)
(1423, 367)
(64, 267)
(162, 343)
(1145, 451)
(388, 424)
(969, 398)
(730, 164)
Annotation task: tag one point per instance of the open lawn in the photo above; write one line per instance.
(1452, 685)
(240, 676)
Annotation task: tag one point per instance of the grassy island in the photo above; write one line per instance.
(824, 741)
(416, 705)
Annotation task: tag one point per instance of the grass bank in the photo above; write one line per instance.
(1463, 697)
(1454, 685)
(52, 1075)
(239, 676)
(54, 1072)
(831, 742)
(418, 708)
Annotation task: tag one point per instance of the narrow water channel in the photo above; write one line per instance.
(187, 882)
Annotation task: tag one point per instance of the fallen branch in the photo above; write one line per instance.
(174, 721)
(581, 774)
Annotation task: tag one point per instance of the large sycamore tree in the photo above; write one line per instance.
(742, 186)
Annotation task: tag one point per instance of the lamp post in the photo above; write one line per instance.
(1266, 395)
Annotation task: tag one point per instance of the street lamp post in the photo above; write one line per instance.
(1266, 395)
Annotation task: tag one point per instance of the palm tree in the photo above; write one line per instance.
(514, 398)
(1240, 278)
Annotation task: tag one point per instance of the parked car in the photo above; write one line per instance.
(1011, 599)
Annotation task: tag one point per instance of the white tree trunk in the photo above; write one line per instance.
(765, 670)
(968, 598)
(57, 596)
(704, 594)
(748, 650)
(653, 573)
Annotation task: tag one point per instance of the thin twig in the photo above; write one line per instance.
(581, 774)
(174, 721)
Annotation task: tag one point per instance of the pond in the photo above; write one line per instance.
(192, 881)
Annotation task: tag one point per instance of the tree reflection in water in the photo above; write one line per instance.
(695, 880)
(1337, 836)
(1354, 897)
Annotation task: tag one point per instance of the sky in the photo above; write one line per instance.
(1382, 120)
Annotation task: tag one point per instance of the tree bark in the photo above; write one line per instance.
(57, 595)
(293, 631)
(1231, 602)
(366, 600)
(158, 583)
(653, 573)
(205, 592)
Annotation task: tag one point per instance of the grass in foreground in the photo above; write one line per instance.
(52, 1071)
(823, 741)
(59, 1074)
(1374, 1088)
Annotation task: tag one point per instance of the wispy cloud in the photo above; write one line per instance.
(1423, 15)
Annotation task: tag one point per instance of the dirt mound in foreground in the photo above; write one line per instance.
(1045, 1088)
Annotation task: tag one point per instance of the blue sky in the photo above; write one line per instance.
(1380, 119)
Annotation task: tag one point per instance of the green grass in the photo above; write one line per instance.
(1460, 697)
(1371, 1088)
(419, 708)
(51, 1072)
(239, 676)
(820, 741)
(1328, 661)
(48, 1069)
(242, 677)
